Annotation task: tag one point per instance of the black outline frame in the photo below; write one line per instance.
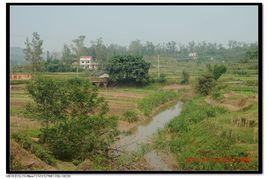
(260, 89)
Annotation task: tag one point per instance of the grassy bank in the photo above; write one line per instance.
(206, 137)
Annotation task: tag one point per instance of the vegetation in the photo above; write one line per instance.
(25, 141)
(185, 77)
(147, 104)
(162, 78)
(130, 116)
(72, 113)
(203, 138)
(205, 84)
(217, 71)
(33, 52)
(68, 123)
(128, 69)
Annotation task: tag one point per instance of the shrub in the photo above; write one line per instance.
(26, 142)
(216, 91)
(155, 99)
(205, 84)
(162, 78)
(185, 77)
(218, 70)
(130, 116)
(82, 137)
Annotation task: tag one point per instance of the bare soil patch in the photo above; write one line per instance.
(23, 160)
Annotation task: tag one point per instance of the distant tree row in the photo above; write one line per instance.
(69, 58)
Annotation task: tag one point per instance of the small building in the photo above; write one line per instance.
(20, 77)
(193, 55)
(100, 80)
(86, 62)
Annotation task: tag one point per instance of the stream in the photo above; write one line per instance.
(143, 133)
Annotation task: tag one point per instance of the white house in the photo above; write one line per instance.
(193, 55)
(86, 62)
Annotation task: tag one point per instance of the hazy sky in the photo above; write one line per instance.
(122, 24)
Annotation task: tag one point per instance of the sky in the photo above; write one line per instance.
(59, 25)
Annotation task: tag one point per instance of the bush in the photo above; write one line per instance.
(162, 78)
(130, 116)
(26, 142)
(81, 137)
(205, 84)
(216, 91)
(218, 71)
(185, 77)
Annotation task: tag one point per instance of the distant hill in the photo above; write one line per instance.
(17, 56)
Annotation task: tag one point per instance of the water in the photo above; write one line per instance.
(144, 132)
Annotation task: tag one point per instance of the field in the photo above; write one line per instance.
(209, 134)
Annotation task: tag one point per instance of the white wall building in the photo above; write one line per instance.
(86, 62)
(193, 55)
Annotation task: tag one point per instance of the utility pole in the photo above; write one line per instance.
(77, 67)
(158, 66)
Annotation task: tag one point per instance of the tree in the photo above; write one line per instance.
(67, 56)
(252, 53)
(33, 52)
(205, 84)
(185, 77)
(135, 48)
(75, 124)
(171, 47)
(128, 69)
(79, 49)
(100, 52)
(218, 70)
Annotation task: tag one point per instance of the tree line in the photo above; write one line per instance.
(101, 52)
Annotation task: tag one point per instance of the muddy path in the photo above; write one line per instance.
(143, 134)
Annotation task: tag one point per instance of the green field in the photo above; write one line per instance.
(207, 128)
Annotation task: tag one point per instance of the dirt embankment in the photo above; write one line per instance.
(233, 101)
(22, 160)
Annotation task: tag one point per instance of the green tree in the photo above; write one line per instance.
(75, 125)
(79, 49)
(218, 70)
(33, 52)
(205, 84)
(100, 52)
(67, 56)
(252, 53)
(128, 69)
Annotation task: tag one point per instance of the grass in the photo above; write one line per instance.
(202, 131)
(204, 137)
(147, 104)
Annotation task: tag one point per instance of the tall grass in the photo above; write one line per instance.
(147, 104)
(204, 137)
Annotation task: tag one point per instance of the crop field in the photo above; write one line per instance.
(205, 127)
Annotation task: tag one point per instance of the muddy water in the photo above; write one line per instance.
(144, 132)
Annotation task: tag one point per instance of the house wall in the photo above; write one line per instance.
(20, 77)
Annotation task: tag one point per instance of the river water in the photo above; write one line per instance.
(143, 133)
